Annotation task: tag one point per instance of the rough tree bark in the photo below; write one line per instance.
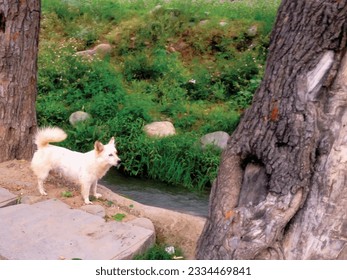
(281, 191)
(19, 31)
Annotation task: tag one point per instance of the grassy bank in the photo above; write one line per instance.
(195, 63)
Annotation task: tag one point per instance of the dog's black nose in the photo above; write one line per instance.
(118, 162)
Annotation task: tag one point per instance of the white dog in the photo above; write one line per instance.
(83, 168)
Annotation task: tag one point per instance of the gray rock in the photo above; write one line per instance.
(78, 116)
(142, 222)
(86, 53)
(204, 21)
(51, 230)
(7, 198)
(156, 8)
(95, 210)
(223, 23)
(218, 138)
(160, 129)
(252, 31)
(100, 50)
(30, 199)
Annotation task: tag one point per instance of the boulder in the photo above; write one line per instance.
(218, 138)
(100, 50)
(78, 116)
(204, 21)
(156, 8)
(86, 53)
(252, 31)
(160, 129)
(223, 23)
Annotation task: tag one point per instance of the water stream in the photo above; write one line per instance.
(157, 194)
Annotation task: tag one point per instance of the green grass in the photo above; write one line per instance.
(118, 217)
(158, 252)
(172, 62)
(67, 194)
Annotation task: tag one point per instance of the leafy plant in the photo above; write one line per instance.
(109, 203)
(119, 217)
(67, 194)
(157, 252)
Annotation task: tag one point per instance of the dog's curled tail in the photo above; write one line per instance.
(46, 135)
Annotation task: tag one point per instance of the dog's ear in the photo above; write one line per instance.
(111, 141)
(98, 146)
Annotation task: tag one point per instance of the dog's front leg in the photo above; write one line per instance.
(85, 187)
(94, 187)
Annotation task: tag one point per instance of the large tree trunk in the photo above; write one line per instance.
(19, 31)
(281, 191)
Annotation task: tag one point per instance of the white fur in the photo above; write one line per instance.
(83, 168)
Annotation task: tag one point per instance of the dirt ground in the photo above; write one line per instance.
(172, 228)
(17, 177)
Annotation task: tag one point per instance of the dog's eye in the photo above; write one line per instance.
(110, 155)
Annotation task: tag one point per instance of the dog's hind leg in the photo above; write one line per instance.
(93, 189)
(41, 174)
(41, 188)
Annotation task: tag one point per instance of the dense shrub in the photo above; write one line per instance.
(177, 160)
(68, 83)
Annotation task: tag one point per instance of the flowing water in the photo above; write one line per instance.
(157, 194)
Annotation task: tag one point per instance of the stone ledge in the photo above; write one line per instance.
(51, 230)
(7, 198)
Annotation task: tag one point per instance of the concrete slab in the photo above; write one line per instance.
(50, 230)
(7, 198)
(94, 209)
